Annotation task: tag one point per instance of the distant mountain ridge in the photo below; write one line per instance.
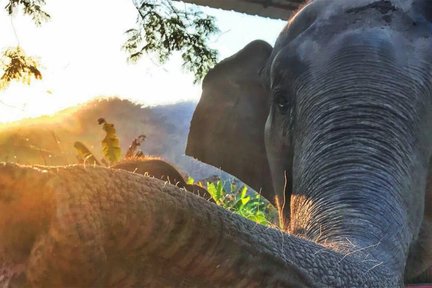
(49, 140)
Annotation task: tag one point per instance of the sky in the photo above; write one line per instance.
(80, 54)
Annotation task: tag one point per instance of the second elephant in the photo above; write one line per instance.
(161, 170)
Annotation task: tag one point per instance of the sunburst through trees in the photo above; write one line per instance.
(162, 28)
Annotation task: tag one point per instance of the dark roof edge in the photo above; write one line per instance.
(265, 8)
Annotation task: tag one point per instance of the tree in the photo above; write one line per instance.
(31, 8)
(161, 30)
(14, 62)
(18, 66)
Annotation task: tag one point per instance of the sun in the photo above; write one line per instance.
(25, 101)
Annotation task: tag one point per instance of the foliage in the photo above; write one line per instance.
(110, 144)
(249, 205)
(110, 147)
(14, 62)
(31, 8)
(163, 29)
(84, 155)
(17, 66)
(133, 148)
(191, 181)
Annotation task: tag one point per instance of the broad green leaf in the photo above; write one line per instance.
(245, 200)
(211, 188)
(84, 155)
(219, 189)
(243, 192)
(110, 144)
(190, 181)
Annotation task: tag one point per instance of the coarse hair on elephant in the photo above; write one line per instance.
(334, 123)
(162, 170)
(347, 91)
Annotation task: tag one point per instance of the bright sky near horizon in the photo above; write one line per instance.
(81, 58)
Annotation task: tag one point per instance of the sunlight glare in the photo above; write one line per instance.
(81, 58)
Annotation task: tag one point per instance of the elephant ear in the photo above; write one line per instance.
(227, 128)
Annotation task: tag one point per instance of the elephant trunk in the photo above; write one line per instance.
(112, 228)
(359, 157)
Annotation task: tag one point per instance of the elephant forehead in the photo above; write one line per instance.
(314, 48)
(329, 8)
(323, 19)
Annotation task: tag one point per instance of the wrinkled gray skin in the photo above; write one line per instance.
(161, 169)
(347, 137)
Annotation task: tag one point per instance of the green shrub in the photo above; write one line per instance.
(250, 205)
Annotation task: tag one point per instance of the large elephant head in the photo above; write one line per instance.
(343, 103)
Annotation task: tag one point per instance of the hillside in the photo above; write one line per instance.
(49, 140)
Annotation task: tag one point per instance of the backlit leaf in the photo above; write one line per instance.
(110, 144)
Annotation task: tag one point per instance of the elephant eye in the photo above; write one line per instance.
(281, 102)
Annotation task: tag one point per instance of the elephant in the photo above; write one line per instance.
(348, 85)
(161, 169)
(92, 226)
(338, 112)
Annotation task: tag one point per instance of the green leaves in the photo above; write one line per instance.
(110, 147)
(162, 29)
(249, 205)
(133, 150)
(110, 144)
(217, 192)
(84, 155)
(190, 181)
(16, 65)
(32, 8)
